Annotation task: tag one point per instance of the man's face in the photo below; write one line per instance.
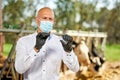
(45, 15)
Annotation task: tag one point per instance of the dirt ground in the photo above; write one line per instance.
(109, 71)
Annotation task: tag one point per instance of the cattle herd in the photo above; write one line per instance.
(90, 58)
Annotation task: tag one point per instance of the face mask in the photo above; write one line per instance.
(46, 26)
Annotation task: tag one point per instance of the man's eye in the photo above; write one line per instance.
(45, 18)
(50, 18)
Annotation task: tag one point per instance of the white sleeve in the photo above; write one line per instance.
(24, 58)
(71, 60)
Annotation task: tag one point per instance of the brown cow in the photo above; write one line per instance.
(82, 51)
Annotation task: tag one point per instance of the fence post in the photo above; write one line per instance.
(103, 44)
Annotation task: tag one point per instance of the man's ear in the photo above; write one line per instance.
(37, 21)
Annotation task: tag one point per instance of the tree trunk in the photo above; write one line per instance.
(1, 34)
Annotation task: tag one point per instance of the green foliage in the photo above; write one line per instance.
(13, 11)
(16, 13)
(15, 26)
(113, 26)
(65, 14)
(6, 25)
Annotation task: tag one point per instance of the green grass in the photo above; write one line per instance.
(6, 49)
(112, 52)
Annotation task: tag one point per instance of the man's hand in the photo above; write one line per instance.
(40, 40)
(67, 43)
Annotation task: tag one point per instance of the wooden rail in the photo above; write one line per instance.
(70, 32)
(87, 34)
(15, 31)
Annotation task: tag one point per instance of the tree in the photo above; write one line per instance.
(113, 26)
(65, 14)
(1, 34)
(13, 12)
(68, 10)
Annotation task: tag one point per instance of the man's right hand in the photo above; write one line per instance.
(40, 40)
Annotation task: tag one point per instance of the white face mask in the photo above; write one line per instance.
(46, 26)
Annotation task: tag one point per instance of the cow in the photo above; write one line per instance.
(96, 57)
(81, 50)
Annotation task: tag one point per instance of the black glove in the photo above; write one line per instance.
(67, 43)
(40, 40)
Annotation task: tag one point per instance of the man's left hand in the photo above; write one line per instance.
(67, 42)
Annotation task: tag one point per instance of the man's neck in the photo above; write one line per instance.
(38, 31)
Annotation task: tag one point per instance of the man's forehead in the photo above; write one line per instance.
(45, 10)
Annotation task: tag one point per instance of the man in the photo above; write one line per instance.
(39, 55)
